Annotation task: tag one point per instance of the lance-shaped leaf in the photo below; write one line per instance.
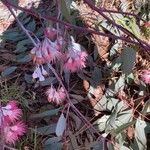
(61, 125)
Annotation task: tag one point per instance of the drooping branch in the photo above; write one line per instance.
(83, 29)
(58, 78)
(99, 10)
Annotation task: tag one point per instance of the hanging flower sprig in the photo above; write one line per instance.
(75, 58)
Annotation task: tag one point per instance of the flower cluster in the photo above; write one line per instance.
(75, 58)
(146, 76)
(56, 96)
(49, 50)
(10, 129)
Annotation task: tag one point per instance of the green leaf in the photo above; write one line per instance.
(128, 60)
(65, 9)
(123, 127)
(120, 84)
(21, 46)
(31, 26)
(24, 59)
(101, 122)
(48, 81)
(53, 144)
(96, 77)
(111, 121)
(61, 125)
(46, 130)
(26, 20)
(47, 113)
(8, 71)
(28, 78)
(140, 133)
(117, 45)
(13, 36)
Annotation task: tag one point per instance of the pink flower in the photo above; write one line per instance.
(62, 94)
(75, 58)
(56, 96)
(13, 132)
(51, 33)
(146, 76)
(39, 72)
(50, 50)
(11, 112)
(37, 55)
(47, 51)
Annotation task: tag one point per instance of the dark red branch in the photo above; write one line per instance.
(100, 11)
(81, 29)
(121, 12)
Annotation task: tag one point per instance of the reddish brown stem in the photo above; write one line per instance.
(99, 10)
(81, 29)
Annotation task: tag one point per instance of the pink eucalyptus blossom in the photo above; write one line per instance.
(13, 132)
(51, 33)
(37, 57)
(146, 76)
(11, 112)
(47, 51)
(75, 58)
(51, 50)
(39, 73)
(56, 96)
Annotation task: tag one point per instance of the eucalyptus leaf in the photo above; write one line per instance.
(114, 49)
(47, 113)
(26, 20)
(22, 45)
(96, 77)
(110, 123)
(25, 59)
(61, 125)
(31, 26)
(123, 127)
(13, 36)
(120, 84)
(101, 123)
(53, 143)
(65, 9)
(8, 71)
(141, 130)
(48, 81)
(128, 60)
(46, 130)
(28, 78)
